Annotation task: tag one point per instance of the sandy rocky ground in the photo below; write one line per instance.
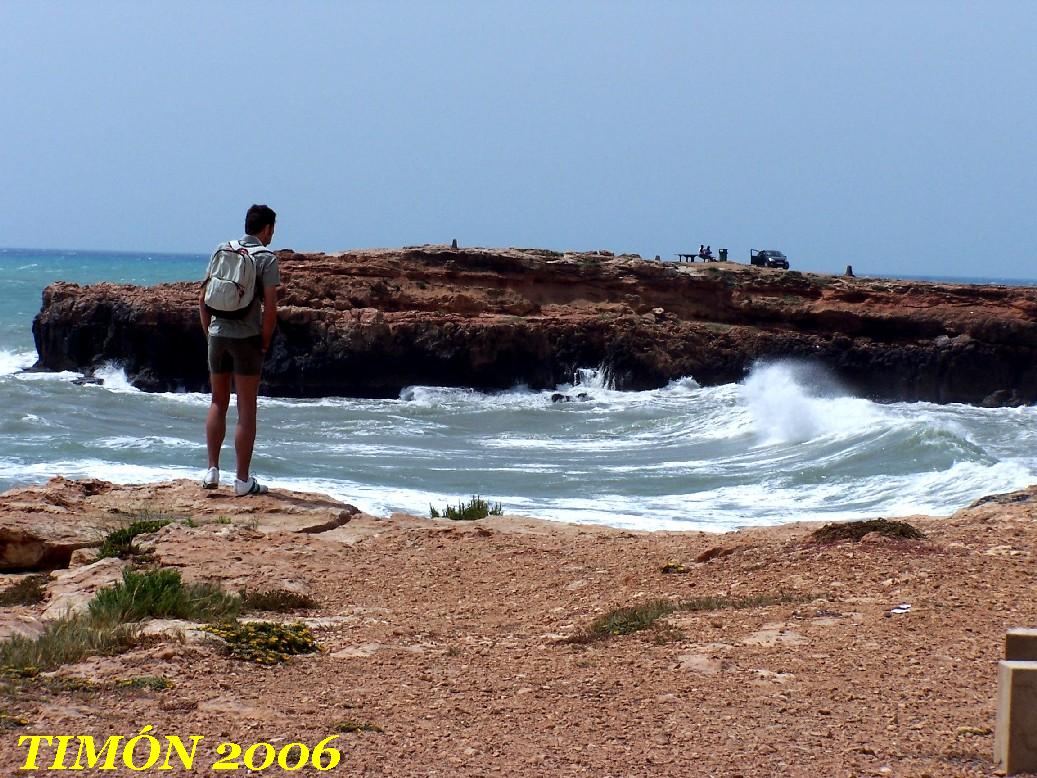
(449, 638)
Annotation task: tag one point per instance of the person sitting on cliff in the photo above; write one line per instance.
(708, 254)
(702, 251)
(238, 341)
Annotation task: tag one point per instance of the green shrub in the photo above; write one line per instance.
(120, 542)
(476, 508)
(105, 628)
(28, 591)
(161, 594)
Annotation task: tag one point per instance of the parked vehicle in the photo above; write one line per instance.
(768, 258)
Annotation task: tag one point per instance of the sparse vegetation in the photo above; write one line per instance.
(674, 567)
(855, 530)
(664, 633)
(66, 684)
(149, 682)
(265, 642)
(623, 621)
(120, 542)
(9, 721)
(28, 591)
(634, 618)
(107, 626)
(277, 601)
(474, 509)
(161, 594)
(352, 725)
(64, 641)
(699, 604)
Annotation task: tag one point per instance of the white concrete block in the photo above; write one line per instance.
(1015, 734)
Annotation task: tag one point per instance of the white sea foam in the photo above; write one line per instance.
(146, 442)
(186, 398)
(793, 403)
(60, 376)
(12, 362)
(787, 444)
(117, 472)
(115, 380)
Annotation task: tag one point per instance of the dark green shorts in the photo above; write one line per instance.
(241, 356)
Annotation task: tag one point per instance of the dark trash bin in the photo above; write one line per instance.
(723, 255)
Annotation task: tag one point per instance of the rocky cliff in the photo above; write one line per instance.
(369, 323)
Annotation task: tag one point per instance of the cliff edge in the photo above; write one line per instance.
(369, 323)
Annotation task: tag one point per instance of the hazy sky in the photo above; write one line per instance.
(897, 136)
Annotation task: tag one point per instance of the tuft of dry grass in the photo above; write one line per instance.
(349, 726)
(28, 591)
(634, 618)
(64, 641)
(120, 542)
(149, 682)
(277, 601)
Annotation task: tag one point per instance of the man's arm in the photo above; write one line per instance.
(269, 314)
(203, 313)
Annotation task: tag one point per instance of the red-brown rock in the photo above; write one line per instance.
(369, 323)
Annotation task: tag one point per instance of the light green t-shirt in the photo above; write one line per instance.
(267, 275)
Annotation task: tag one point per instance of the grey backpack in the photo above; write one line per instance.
(230, 283)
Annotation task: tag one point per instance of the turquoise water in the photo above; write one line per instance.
(785, 444)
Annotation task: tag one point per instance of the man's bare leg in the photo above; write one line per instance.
(216, 420)
(247, 389)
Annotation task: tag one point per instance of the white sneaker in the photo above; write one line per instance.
(251, 486)
(211, 479)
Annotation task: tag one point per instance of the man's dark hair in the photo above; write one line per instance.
(258, 217)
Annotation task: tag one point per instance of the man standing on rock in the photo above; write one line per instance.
(238, 309)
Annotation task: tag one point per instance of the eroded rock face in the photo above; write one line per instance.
(370, 323)
(41, 526)
(70, 591)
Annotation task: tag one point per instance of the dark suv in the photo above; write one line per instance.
(768, 258)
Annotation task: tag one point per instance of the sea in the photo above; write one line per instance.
(787, 443)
